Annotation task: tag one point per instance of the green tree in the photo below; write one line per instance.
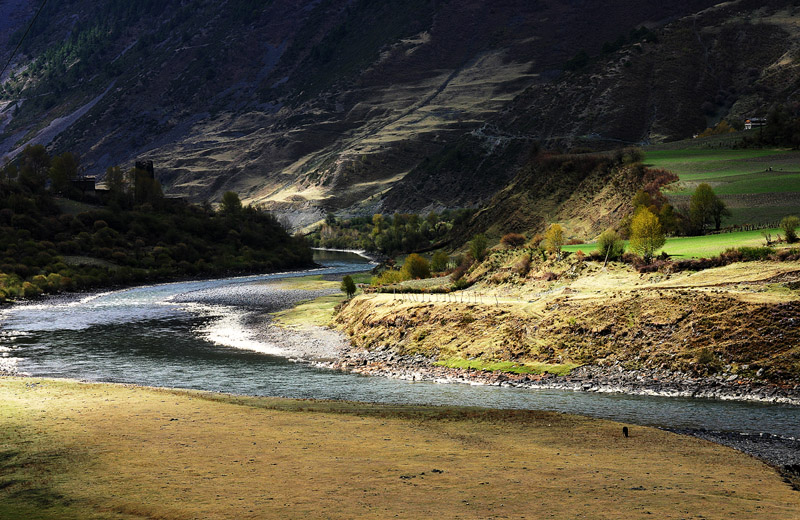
(646, 234)
(9, 171)
(554, 239)
(477, 247)
(610, 245)
(35, 162)
(230, 205)
(439, 261)
(118, 184)
(348, 286)
(642, 199)
(63, 169)
(668, 219)
(706, 209)
(146, 189)
(416, 266)
(789, 225)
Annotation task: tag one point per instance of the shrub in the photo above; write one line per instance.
(439, 262)
(477, 247)
(513, 240)
(416, 266)
(388, 277)
(705, 356)
(30, 291)
(460, 284)
(750, 254)
(610, 245)
(789, 226)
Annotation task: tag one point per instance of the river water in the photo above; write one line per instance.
(204, 335)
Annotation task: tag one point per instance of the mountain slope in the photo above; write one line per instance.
(310, 106)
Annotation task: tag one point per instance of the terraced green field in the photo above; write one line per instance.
(759, 186)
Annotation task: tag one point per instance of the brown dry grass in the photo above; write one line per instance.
(744, 313)
(111, 451)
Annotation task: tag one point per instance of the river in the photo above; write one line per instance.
(204, 335)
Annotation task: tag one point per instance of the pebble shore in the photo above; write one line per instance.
(585, 379)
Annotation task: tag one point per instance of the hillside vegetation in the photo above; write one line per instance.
(133, 235)
(545, 314)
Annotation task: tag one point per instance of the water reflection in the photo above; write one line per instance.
(161, 336)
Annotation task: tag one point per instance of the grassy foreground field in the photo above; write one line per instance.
(72, 450)
(701, 246)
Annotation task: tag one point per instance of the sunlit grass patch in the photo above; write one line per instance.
(704, 165)
(701, 246)
(306, 283)
(312, 313)
(508, 366)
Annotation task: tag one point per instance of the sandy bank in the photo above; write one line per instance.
(73, 450)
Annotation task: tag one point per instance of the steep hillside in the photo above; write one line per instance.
(585, 193)
(310, 106)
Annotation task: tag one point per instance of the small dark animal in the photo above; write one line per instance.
(625, 431)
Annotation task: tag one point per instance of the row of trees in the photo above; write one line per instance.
(388, 234)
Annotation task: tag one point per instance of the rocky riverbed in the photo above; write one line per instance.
(585, 379)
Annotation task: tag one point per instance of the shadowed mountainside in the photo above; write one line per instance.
(312, 106)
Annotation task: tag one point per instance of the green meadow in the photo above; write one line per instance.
(759, 185)
(699, 247)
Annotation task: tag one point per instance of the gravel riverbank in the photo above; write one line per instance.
(586, 379)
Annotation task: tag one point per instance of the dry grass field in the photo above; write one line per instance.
(74, 450)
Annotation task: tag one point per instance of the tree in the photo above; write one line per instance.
(706, 209)
(416, 266)
(642, 199)
(646, 234)
(9, 171)
(348, 286)
(63, 168)
(789, 225)
(230, 205)
(554, 239)
(146, 189)
(610, 245)
(439, 261)
(668, 219)
(35, 162)
(477, 247)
